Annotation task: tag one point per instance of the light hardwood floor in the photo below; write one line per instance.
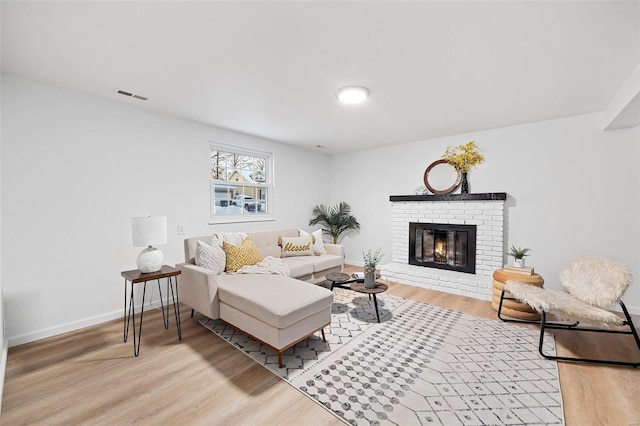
(90, 376)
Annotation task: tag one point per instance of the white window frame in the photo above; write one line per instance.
(269, 185)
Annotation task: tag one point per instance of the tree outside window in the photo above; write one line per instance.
(240, 182)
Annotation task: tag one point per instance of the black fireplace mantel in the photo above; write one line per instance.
(486, 196)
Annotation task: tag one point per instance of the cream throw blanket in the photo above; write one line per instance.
(268, 265)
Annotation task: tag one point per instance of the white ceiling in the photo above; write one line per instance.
(272, 68)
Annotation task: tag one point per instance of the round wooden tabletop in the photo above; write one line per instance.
(360, 288)
(337, 277)
(514, 308)
(503, 275)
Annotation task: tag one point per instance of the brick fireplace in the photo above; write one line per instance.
(485, 211)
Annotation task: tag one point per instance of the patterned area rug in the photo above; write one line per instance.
(421, 365)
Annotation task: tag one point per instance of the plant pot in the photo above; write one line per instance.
(519, 262)
(369, 279)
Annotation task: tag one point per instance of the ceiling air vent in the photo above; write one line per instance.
(132, 95)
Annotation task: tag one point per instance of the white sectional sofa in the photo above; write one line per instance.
(276, 310)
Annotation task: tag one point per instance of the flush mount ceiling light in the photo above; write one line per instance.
(352, 94)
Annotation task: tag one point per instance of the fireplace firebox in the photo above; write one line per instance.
(443, 246)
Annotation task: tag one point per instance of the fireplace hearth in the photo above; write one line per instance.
(443, 246)
(484, 210)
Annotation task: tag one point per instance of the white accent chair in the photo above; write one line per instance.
(592, 284)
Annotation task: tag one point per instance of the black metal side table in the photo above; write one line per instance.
(135, 277)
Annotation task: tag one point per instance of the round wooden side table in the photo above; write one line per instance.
(339, 279)
(513, 308)
(379, 288)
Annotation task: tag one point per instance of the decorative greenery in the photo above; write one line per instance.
(335, 221)
(463, 157)
(371, 260)
(518, 252)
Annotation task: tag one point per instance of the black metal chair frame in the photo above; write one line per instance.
(544, 324)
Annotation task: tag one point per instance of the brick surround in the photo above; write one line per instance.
(486, 211)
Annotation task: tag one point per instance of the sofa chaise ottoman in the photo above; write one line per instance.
(275, 310)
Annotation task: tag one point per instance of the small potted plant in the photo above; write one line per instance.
(518, 254)
(371, 261)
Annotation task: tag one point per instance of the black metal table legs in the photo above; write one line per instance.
(130, 311)
(375, 303)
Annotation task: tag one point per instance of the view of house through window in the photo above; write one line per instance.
(240, 181)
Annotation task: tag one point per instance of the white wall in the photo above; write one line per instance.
(573, 190)
(76, 168)
(5, 341)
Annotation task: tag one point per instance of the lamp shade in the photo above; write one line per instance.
(148, 231)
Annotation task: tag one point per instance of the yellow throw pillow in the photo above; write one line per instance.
(238, 256)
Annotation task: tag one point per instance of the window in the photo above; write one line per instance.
(241, 184)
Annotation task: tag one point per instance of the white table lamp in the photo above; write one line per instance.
(148, 231)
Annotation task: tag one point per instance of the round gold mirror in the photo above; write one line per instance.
(440, 178)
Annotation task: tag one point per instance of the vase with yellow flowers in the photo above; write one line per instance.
(463, 158)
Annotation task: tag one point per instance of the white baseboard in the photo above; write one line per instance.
(3, 367)
(354, 262)
(633, 310)
(98, 319)
(75, 325)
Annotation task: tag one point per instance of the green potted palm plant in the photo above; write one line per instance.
(334, 221)
(518, 254)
